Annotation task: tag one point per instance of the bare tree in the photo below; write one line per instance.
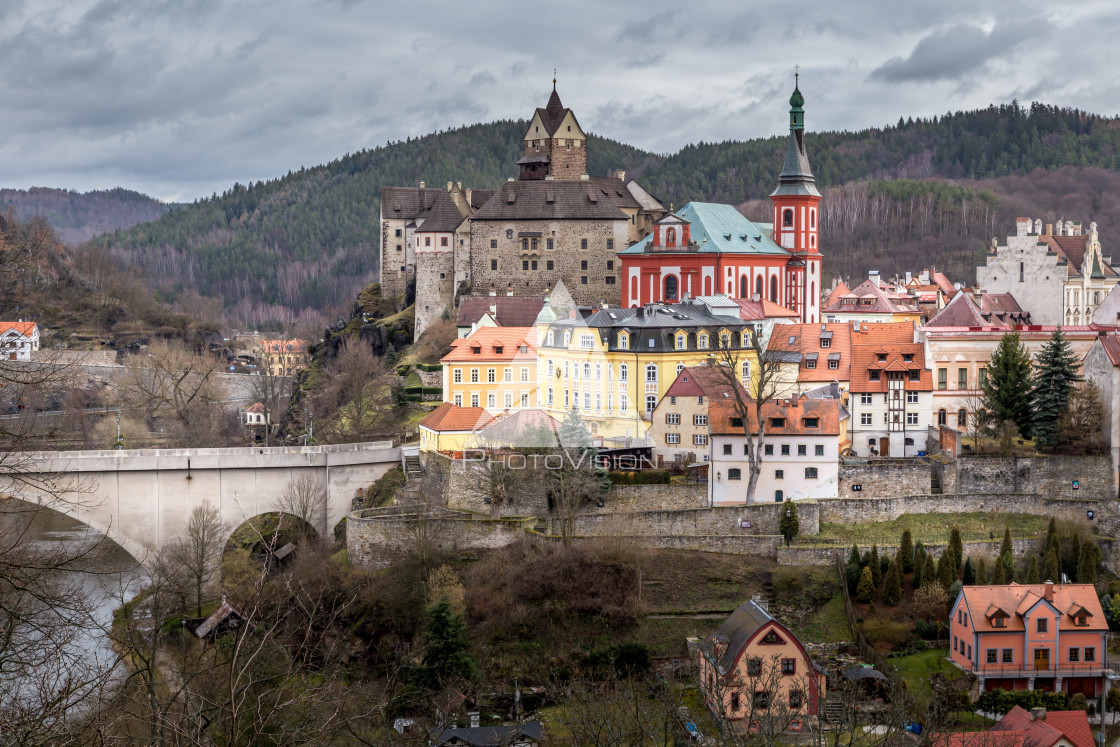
(271, 389)
(305, 498)
(619, 712)
(198, 554)
(356, 396)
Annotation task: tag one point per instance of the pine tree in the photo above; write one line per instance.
(999, 576)
(968, 574)
(956, 548)
(916, 579)
(1051, 537)
(1005, 547)
(1087, 564)
(929, 571)
(447, 649)
(946, 574)
(854, 556)
(391, 354)
(1032, 570)
(982, 572)
(573, 433)
(892, 584)
(1007, 389)
(790, 524)
(1055, 375)
(1007, 560)
(1052, 571)
(865, 590)
(876, 570)
(906, 552)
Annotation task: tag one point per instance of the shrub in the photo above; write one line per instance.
(865, 589)
(1002, 701)
(644, 477)
(886, 635)
(620, 660)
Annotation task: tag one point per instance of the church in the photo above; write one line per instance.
(706, 248)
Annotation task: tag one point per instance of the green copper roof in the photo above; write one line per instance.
(796, 100)
(717, 228)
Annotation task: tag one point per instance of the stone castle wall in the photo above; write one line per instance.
(566, 257)
(394, 280)
(674, 496)
(435, 288)
(1050, 476)
(883, 478)
(377, 538)
(764, 519)
(865, 510)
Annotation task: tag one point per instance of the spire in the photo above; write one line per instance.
(796, 177)
(554, 80)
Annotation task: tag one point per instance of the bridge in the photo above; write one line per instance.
(143, 498)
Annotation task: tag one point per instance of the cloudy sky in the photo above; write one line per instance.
(181, 98)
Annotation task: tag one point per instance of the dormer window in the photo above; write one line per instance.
(882, 357)
(549, 338)
(498, 349)
(682, 342)
(874, 375)
(702, 341)
(812, 422)
(623, 341)
(777, 422)
(908, 357)
(476, 349)
(523, 349)
(826, 342)
(1081, 621)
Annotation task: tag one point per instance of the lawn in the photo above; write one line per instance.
(826, 625)
(684, 581)
(931, 528)
(916, 669)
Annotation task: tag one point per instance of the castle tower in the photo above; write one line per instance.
(554, 145)
(796, 215)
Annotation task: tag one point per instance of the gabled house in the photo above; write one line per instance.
(871, 301)
(18, 340)
(1031, 637)
(451, 428)
(891, 390)
(494, 368)
(756, 674)
(679, 425)
(1022, 728)
(528, 734)
(825, 355)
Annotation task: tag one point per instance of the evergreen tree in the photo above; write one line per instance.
(1007, 389)
(1052, 571)
(956, 548)
(1007, 560)
(968, 575)
(929, 571)
(916, 579)
(999, 576)
(855, 557)
(852, 572)
(1051, 537)
(790, 524)
(946, 574)
(1087, 564)
(906, 552)
(982, 572)
(391, 354)
(1005, 547)
(573, 433)
(876, 570)
(447, 650)
(865, 590)
(1032, 570)
(892, 584)
(1055, 374)
(1070, 561)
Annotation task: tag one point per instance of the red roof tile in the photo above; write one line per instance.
(1015, 599)
(807, 340)
(489, 341)
(24, 328)
(448, 417)
(793, 412)
(709, 381)
(895, 341)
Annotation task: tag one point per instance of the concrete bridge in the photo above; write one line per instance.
(143, 498)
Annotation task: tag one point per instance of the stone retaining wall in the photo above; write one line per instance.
(866, 510)
(764, 518)
(1050, 476)
(674, 496)
(826, 555)
(377, 540)
(881, 478)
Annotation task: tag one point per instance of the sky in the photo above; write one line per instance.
(181, 98)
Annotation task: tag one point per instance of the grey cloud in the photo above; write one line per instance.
(953, 52)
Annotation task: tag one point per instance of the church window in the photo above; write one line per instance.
(758, 285)
(743, 287)
(1020, 272)
(774, 288)
(671, 288)
(787, 217)
(812, 219)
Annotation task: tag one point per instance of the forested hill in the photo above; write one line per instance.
(306, 242)
(79, 216)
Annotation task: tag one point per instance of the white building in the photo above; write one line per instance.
(18, 340)
(891, 395)
(801, 452)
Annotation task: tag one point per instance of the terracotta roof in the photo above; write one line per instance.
(894, 341)
(255, 407)
(494, 344)
(1111, 345)
(448, 417)
(806, 339)
(1047, 730)
(836, 294)
(1015, 599)
(27, 329)
(755, 310)
(708, 381)
(599, 198)
(1005, 738)
(722, 417)
(512, 311)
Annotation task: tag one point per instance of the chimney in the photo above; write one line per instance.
(909, 277)
(492, 291)
(1048, 591)
(873, 275)
(756, 297)
(450, 185)
(584, 178)
(1038, 714)
(1049, 229)
(423, 185)
(572, 314)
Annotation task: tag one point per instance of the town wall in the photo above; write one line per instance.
(377, 538)
(883, 478)
(670, 497)
(866, 510)
(764, 519)
(827, 554)
(1050, 476)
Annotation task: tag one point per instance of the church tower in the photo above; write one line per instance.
(796, 216)
(554, 145)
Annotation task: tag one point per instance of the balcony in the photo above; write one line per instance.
(1077, 669)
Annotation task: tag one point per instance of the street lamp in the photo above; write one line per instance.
(787, 526)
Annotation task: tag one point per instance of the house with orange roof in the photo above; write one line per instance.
(679, 424)
(1045, 636)
(1059, 273)
(891, 390)
(871, 301)
(1022, 728)
(494, 368)
(801, 451)
(18, 340)
(450, 428)
(822, 354)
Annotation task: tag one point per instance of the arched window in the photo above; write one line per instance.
(622, 369)
(651, 373)
(778, 496)
(744, 287)
(812, 218)
(680, 367)
(774, 288)
(651, 403)
(787, 218)
(598, 371)
(707, 286)
(758, 285)
(671, 288)
(962, 418)
(634, 291)
(671, 237)
(623, 341)
(942, 417)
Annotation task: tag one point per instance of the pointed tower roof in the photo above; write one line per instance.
(796, 177)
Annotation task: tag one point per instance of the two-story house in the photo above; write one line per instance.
(494, 368)
(1031, 637)
(679, 425)
(18, 340)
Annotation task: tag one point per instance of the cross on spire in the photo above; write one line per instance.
(796, 73)
(553, 79)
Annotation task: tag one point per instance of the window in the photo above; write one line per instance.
(609, 279)
(785, 449)
(702, 341)
(865, 399)
(671, 288)
(991, 656)
(914, 375)
(586, 342)
(474, 400)
(533, 265)
(623, 341)
(651, 374)
(911, 398)
(882, 357)
(962, 418)
(911, 418)
(746, 373)
(1074, 654)
(768, 449)
(999, 622)
(779, 474)
(982, 378)
(550, 245)
(1041, 625)
(397, 233)
(550, 265)
(762, 700)
(795, 699)
(458, 400)
(778, 496)
(699, 419)
(583, 279)
(734, 701)
(789, 666)
(833, 362)
(427, 241)
(873, 375)
(1007, 654)
(507, 374)
(587, 401)
(682, 342)
(811, 363)
(812, 423)
(622, 372)
(610, 264)
(787, 218)
(651, 403)
(457, 376)
(962, 378)
(942, 378)
(525, 264)
(826, 342)
(1080, 620)
(623, 402)
(509, 233)
(583, 265)
(727, 448)
(491, 375)
(700, 439)
(734, 473)
(810, 473)
(491, 400)
(493, 264)
(754, 667)
(550, 397)
(942, 417)
(801, 449)
(865, 418)
(610, 245)
(474, 375)
(583, 243)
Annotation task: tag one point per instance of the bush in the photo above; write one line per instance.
(620, 660)
(429, 367)
(644, 477)
(1002, 701)
(886, 635)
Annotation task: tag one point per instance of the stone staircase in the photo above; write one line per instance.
(412, 466)
(832, 711)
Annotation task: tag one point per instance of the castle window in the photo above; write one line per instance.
(533, 264)
(509, 233)
(525, 264)
(550, 244)
(550, 264)
(610, 264)
(533, 244)
(583, 243)
(758, 285)
(443, 241)
(1020, 272)
(493, 243)
(398, 233)
(583, 280)
(583, 265)
(743, 287)
(610, 245)
(493, 264)
(787, 217)
(524, 245)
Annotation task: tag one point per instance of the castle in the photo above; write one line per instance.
(554, 222)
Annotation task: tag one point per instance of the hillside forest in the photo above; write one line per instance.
(921, 192)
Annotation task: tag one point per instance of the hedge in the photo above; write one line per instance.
(1002, 701)
(429, 367)
(423, 390)
(644, 477)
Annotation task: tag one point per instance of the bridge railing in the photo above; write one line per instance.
(228, 451)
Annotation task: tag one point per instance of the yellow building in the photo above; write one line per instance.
(283, 357)
(615, 364)
(450, 428)
(494, 368)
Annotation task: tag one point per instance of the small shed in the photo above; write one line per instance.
(225, 618)
(528, 734)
